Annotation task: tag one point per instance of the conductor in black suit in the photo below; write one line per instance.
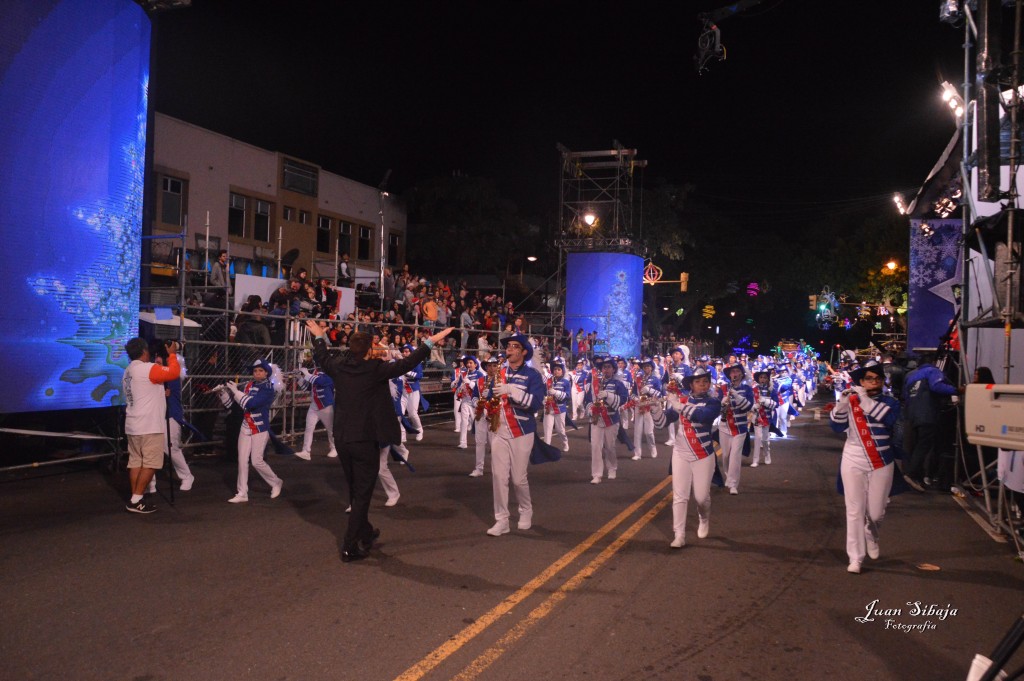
(364, 421)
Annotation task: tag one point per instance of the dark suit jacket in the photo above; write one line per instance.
(363, 411)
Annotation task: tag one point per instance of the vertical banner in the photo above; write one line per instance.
(604, 294)
(935, 267)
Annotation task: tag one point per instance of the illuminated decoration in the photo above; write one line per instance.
(708, 311)
(749, 320)
(652, 273)
(878, 326)
(753, 289)
(827, 308)
(73, 134)
(926, 229)
(882, 311)
(863, 310)
(604, 294)
(755, 344)
(847, 324)
(679, 312)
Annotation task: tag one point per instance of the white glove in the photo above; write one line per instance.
(861, 391)
(232, 387)
(503, 389)
(674, 402)
(305, 372)
(650, 391)
(602, 395)
(513, 391)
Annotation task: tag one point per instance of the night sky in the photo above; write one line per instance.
(820, 104)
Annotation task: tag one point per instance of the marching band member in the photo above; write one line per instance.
(677, 370)
(764, 405)
(648, 388)
(693, 456)
(737, 401)
(460, 370)
(623, 374)
(520, 390)
(411, 396)
(321, 408)
(578, 378)
(784, 391)
(556, 403)
(255, 399)
(485, 410)
(468, 392)
(604, 396)
(867, 464)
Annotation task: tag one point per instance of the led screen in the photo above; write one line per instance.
(604, 293)
(73, 79)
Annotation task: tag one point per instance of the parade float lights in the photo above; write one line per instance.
(901, 205)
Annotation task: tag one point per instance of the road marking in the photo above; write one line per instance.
(456, 642)
(477, 666)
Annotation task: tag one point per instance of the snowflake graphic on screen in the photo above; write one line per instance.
(935, 255)
(103, 299)
(621, 329)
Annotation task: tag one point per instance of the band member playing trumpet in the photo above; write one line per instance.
(737, 401)
(520, 393)
(648, 388)
(764, 408)
(604, 396)
(467, 391)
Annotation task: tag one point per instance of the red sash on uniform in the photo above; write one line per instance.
(730, 418)
(762, 415)
(510, 414)
(864, 433)
(691, 434)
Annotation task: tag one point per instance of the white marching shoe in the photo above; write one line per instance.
(679, 542)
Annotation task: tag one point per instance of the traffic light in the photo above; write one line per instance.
(812, 302)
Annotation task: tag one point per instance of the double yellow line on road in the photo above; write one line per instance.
(443, 652)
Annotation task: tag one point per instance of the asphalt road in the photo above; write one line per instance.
(208, 590)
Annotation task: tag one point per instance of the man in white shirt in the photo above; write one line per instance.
(146, 416)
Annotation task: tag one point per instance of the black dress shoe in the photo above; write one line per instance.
(352, 555)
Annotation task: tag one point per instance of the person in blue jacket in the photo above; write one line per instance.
(411, 393)
(925, 389)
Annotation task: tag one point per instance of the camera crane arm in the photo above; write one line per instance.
(709, 44)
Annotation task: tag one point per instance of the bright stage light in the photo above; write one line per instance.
(589, 218)
(531, 258)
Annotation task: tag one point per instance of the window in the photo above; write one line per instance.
(261, 222)
(303, 217)
(344, 237)
(365, 240)
(236, 216)
(172, 201)
(323, 234)
(288, 214)
(299, 177)
(392, 249)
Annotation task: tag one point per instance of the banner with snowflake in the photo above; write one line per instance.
(935, 266)
(604, 294)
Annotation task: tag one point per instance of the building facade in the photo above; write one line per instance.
(260, 203)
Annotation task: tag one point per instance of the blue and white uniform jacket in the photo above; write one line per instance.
(321, 389)
(255, 401)
(880, 414)
(518, 408)
(469, 385)
(608, 407)
(695, 418)
(736, 404)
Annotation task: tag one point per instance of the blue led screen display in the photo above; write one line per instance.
(604, 293)
(73, 82)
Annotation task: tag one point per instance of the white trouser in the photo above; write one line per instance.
(686, 476)
(510, 458)
(177, 457)
(556, 423)
(624, 417)
(782, 416)
(411, 408)
(732, 454)
(671, 433)
(577, 402)
(762, 443)
(481, 430)
(602, 449)
(324, 416)
(251, 446)
(866, 492)
(467, 411)
(457, 408)
(643, 431)
(387, 480)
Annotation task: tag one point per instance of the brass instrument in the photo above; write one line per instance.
(493, 405)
